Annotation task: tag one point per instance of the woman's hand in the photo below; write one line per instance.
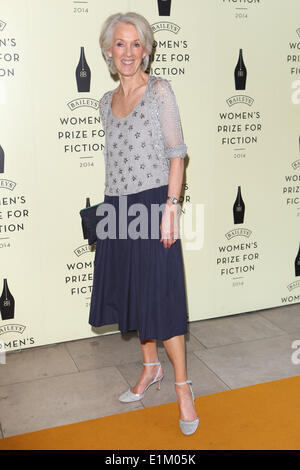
(169, 226)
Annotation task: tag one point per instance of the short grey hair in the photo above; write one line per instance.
(144, 31)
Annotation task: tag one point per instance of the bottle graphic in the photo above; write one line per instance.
(84, 230)
(1, 160)
(164, 7)
(239, 208)
(297, 263)
(83, 73)
(240, 73)
(7, 303)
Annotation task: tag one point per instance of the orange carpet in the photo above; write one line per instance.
(264, 416)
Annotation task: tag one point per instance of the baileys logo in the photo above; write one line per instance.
(165, 25)
(83, 250)
(83, 103)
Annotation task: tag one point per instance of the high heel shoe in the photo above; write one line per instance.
(188, 427)
(128, 396)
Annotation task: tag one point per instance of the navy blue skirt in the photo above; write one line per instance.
(138, 283)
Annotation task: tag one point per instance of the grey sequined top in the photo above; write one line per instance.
(138, 147)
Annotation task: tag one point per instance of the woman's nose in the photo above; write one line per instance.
(128, 51)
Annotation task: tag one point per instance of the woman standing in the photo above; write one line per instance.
(139, 282)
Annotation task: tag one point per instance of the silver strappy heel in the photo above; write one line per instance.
(128, 396)
(188, 427)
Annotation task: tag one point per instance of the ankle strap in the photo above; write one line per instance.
(183, 383)
(151, 363)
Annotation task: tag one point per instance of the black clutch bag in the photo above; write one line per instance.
(89, 221)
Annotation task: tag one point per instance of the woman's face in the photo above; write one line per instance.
(127, 51)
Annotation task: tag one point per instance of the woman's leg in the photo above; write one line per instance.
(149, 352)
(175, 348)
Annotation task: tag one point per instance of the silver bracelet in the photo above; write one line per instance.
(173, 199)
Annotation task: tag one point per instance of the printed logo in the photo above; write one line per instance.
(164, 7)
(240, 79)
(165, 26)
(79, 275)
(237, 259)
(7, 184)
(14, 214)
(9, 56)
(83, 103)
(291, 187)
(7, 310)
(295, 284)
(170, 55)
(239, 129)
(296, 164)
(239, 232)
(293, 297)
(7, 303)
(79, 133)
(83, 74)
(83, 249)
(240, 99)
(238, 208)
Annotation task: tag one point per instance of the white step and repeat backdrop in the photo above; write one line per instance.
(235, 70)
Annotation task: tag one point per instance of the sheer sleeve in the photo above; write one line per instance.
(170, 120)
(103, 108)
(101, 111)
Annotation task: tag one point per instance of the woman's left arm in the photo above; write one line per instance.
(170, 219)
(175, 150)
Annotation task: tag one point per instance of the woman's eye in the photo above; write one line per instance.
(137, 44)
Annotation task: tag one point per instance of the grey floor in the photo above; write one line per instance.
(79, 380)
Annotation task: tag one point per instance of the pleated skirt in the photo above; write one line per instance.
(137, 282)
